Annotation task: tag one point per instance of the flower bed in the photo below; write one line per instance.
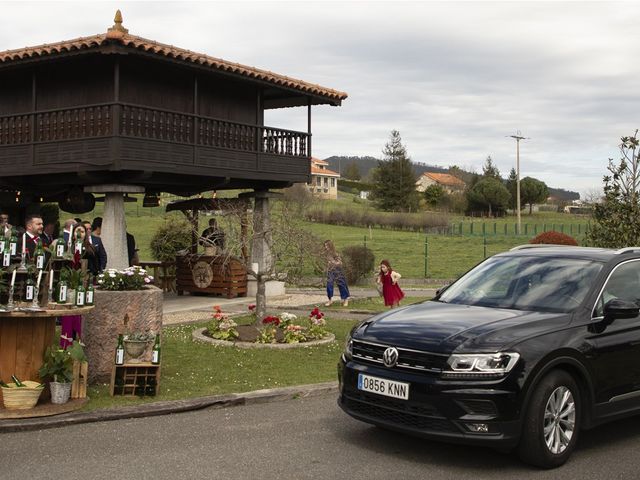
(274, 330)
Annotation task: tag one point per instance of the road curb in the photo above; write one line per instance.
(168, 407)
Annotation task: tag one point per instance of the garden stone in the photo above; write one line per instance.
(116, 313)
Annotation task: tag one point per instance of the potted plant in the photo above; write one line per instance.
(74, 279)
(57, 367)
(136, 343)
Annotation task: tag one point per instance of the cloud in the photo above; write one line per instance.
(456, 78)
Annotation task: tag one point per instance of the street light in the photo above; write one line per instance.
(518, 136)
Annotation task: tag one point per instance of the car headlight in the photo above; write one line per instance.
(348, 348)
(480, 364)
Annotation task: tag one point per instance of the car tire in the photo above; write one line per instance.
(550, 429)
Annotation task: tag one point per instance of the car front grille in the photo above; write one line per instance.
(407, 359)
(398, 413)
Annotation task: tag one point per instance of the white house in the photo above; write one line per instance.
(448, 182)
(324, 182)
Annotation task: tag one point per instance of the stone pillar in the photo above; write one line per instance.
(114, 225)
(261, 246)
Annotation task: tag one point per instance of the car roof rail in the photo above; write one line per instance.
(627, 250)
(536, 245)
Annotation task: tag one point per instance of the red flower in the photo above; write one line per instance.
(217, 308)
(316, 313)
(271, 319)
(251, 306)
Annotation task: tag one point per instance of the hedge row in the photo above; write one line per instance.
(425, 222)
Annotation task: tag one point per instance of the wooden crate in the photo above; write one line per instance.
(79, 382)
(217, 275)
(135, 379)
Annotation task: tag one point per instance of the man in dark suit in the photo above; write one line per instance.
(96, 241)
(33, 233)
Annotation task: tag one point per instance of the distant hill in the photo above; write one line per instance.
(365, 164)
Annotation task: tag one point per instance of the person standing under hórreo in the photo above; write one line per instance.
(335, 274)
(388, 278)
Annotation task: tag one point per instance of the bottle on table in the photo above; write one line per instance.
(13, 242)
(80, 295)
(30, 287)
(88, 296)
(38, 254)
(120, 350)
(62, 291)
(6, 255)
(155, 352)
(60, 246)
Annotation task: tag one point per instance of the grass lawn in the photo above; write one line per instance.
(191, 369)
(371, 305)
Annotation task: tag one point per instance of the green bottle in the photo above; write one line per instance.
(88, 296)
(60, 245)
(120, 351)
(29, 289)
(62, 292)
(38, 254)
(13, 242)
(80, 295)
(6, 255)
(17, 382)
(155, 352)
(2, 384)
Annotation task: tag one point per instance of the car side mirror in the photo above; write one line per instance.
(617, 308)
(441, 290)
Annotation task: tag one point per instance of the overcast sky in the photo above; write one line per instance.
(455, 78)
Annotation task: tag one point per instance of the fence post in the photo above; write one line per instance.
(526, 229)
(535, 229)
(562, 228)
(365, 241)
(544, 227)
(471, 229)
(426, 255)
(484, 228)
(461, 228)
(484, 242)
(495, 228)
(505, 229)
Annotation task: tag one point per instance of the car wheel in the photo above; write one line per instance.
(550, 429)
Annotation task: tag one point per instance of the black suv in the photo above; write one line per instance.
(524, 350)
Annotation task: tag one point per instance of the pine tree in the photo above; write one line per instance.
(490, 170)
(394, 179)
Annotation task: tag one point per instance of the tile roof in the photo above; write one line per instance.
(445, 179)
(120, 35)
(317, 161)
(323, 171)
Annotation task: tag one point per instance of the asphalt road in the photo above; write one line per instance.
(306, 438)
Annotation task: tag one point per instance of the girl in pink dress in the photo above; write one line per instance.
(389, 280)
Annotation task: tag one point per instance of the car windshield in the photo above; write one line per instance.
(525, 283)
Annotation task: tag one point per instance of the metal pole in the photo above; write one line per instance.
(518, 137)
(426, 253)
(518, 180)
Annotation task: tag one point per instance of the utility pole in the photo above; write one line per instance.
(518, 136)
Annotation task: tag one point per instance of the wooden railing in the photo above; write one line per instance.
(148, 123)
(15, 130)
(73, 123)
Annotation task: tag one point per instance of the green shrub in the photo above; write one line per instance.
(358, 262)
(171, 237)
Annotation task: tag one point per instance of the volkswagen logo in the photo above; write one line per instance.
(390, 357)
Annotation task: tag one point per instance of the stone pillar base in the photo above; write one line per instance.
(116, 313)
(273, 288)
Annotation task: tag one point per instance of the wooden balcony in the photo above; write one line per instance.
(125, 137)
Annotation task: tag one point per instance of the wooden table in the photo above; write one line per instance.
(24, 337)
(162, 275)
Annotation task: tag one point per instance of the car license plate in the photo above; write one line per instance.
(382, 386)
